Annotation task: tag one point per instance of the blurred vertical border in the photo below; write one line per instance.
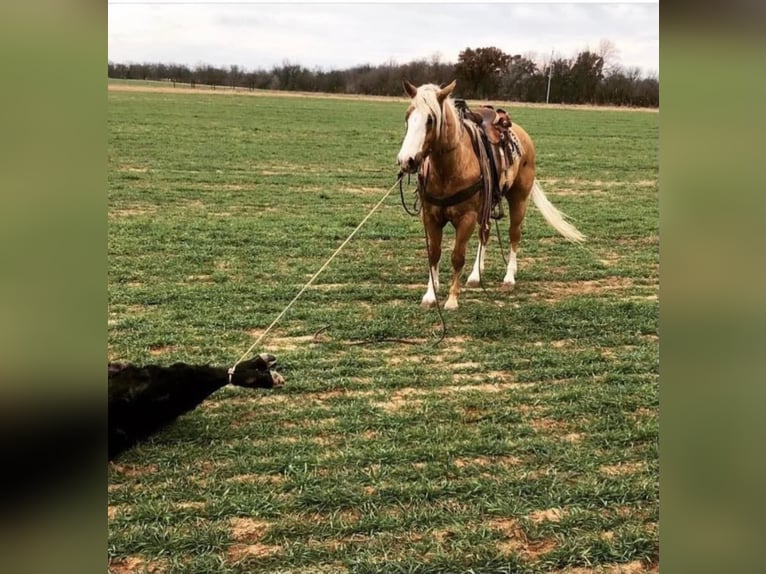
(53, 231)
(712, 318)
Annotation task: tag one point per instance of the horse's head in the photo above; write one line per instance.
(258, 373)
(424, 123)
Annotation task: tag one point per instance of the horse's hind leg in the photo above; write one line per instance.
(434, 233)
(463, 231)
(474, 279)
(517, 204)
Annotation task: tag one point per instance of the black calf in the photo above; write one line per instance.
(142, 400)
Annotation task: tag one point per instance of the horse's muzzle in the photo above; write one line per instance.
(411, 164)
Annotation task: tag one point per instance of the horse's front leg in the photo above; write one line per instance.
(463, 231)
(434, 234)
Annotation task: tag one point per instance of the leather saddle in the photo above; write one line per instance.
(495, 123)
(496, 126)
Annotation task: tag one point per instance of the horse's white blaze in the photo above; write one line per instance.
(433, 286)
(510, 274)
(415, 137)
(478, 267)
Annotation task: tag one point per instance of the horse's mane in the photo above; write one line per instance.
(426, 100)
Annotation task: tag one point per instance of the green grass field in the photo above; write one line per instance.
(526, 442)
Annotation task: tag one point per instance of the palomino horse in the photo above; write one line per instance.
(437, 144)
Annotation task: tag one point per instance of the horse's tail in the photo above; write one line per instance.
(554, 217)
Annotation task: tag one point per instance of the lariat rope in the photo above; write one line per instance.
(307, 285)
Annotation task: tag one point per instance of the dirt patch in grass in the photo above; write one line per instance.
(485, 461)
(597, 182)
(132, 168)
(266, 398)
(248, 529)
(272, 172)
(469, 365)
(334, 394)
(350, 515)
(449, 348)
(537, 548)
(502, 377)
(610, 258)
(643, 240)
(133, 471)
(634, 567)
(397, 402)
(530, 409)
(483, 388)
(568, 192)
(223, 187)
(199, 279)
(285, 343)
(549, 425)
(241, 552)
(609, 354)
(509, 527)
(191, 505)
(131, 212)
(558, 290)
(399, 359)
(328, 440)
(156, 350)
(258, 478)
(548, 515)
(135, 564)
(113, 511)
(412, 396)
(516, 541)
(623, 468)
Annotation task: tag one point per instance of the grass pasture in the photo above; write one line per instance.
(526, 442)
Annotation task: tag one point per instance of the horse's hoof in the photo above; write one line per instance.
(508, 285)
(450, 305)
(473, 283)
(427, 304)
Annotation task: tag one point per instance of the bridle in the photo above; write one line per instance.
(431, 120)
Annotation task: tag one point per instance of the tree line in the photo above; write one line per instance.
(482, 73)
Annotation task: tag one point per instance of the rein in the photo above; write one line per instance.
(488, 178)
(415, 204)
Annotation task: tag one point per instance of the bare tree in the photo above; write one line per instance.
(610, 55)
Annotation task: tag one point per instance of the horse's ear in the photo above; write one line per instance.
(446, 91)
(409, 88)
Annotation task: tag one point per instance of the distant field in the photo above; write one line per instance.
(117, 85)
(526, 442)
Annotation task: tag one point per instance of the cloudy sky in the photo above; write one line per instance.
(340, 35)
